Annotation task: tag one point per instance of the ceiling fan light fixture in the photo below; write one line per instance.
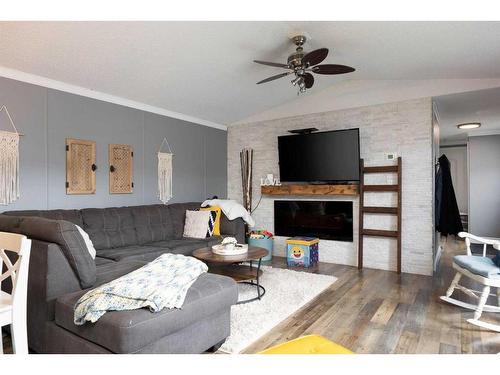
(469, 125)
(303, 64)
(298, 80)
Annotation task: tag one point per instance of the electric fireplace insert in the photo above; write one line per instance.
(328, 220)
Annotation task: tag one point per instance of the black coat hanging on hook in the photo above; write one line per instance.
(447, 214)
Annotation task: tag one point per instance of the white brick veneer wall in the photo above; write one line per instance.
(404, 128)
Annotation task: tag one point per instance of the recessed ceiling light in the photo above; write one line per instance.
(469, 125)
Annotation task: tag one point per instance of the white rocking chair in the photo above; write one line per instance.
(482, 270)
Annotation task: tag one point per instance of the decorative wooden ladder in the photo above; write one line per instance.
(379, 210)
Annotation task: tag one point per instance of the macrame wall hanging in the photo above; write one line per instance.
(165, 173)
(9, 163)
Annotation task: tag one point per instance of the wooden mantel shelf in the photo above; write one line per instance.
(300, 189)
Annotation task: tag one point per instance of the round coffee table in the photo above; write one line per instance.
(230, 265)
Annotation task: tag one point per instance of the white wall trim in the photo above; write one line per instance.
(82, 91)
(435, 108)
(480, 133)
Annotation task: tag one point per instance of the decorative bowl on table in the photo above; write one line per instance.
(229, 246)
(236, 250)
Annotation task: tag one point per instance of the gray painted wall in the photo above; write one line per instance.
(47, 117)
(484, 185)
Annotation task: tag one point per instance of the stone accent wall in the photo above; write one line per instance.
(404, 128)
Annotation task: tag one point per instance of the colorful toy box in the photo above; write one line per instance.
(262, 238)
(302, 251)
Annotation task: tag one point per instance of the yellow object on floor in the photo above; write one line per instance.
(311, 344)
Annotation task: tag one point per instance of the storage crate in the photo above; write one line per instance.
(266, 243)
(302, 251)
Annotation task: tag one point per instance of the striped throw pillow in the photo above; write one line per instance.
(214, 220)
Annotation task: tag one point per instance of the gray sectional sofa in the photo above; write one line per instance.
(61, 271)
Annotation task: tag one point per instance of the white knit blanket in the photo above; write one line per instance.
(162, 283)
(231, 209)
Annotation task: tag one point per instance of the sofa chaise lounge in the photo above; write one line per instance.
(61, 271)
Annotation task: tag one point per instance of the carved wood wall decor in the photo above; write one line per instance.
(120, 169)
(80, 166)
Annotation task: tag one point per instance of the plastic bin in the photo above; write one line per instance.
(266, 243)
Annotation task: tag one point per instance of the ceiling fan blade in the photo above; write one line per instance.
(274, 77)
(315, 57)
(277, 65)
(309, 80)
(332, 69)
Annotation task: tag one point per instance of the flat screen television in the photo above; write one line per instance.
(324, 157)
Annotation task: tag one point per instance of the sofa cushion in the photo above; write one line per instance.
(10, 223)
(129, 331)
(478, 265)
(111, 270)
(136, 252)
(69, 240)
(109, 227)
(152, 223)
(180, 246)
(101, 261)
(178, 215)
(73, 216)
(186, 246)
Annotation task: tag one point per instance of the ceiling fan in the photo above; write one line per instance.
(303, 64)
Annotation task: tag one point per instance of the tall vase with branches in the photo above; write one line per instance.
(246, 160)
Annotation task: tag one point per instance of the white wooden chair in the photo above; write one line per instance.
(482, 270)
(13, 306)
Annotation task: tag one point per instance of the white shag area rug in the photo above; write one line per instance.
(286, 292)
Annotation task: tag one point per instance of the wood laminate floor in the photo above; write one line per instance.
(374, 311)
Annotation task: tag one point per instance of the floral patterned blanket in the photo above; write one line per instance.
(162, 283)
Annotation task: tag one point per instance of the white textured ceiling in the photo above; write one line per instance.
(205, 69)
(477, 106)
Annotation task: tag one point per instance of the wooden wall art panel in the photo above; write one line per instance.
(80, 166)
(121, 169)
